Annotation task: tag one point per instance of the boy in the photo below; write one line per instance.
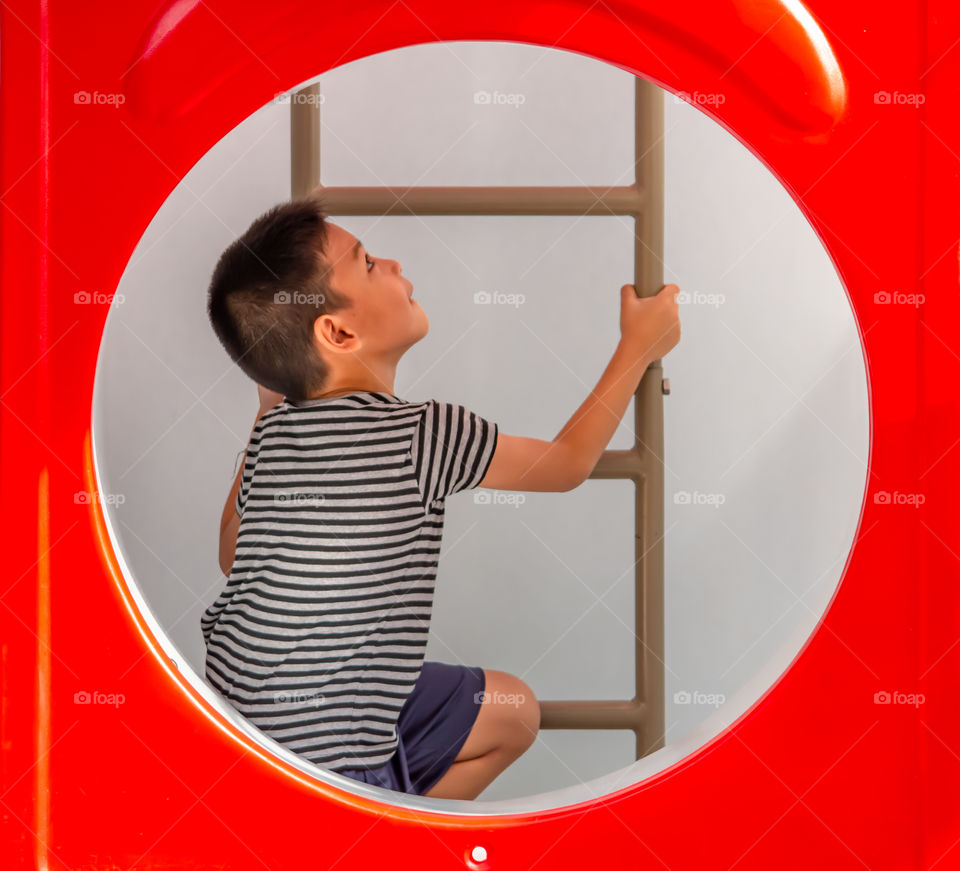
(331, 534)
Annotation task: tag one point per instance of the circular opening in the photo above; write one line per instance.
(765, 428)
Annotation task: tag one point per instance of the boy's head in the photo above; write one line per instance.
(299, 304)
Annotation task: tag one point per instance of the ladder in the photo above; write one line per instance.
(644, 714)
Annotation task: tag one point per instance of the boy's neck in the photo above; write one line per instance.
(346, 392)
(340, 386)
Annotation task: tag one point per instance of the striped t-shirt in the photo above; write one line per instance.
(319, 633)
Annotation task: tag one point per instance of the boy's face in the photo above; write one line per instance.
(382, 319)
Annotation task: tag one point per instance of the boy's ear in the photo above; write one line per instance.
(334, 335)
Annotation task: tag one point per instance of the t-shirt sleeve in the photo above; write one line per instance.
(452, 448)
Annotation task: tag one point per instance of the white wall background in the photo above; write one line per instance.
(768, 403)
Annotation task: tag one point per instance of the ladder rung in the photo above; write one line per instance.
(592, 715)
(482, 200)
(620, 464)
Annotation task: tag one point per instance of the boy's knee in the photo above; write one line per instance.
(524, 713)
(530, 714)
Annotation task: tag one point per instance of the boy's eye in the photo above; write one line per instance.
(370, 263)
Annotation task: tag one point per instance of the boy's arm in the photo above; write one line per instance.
(230, 520)
(649, 328)
(588, 432)
(562, 464)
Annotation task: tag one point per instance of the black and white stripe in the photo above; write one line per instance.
(319, 634)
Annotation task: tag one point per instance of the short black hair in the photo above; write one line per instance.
(268, 288)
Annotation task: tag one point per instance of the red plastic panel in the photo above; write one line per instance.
(815, 774)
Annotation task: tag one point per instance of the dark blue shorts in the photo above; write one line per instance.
(433, 726)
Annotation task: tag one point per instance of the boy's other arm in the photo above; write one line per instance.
(230, 520)
(649, 327)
